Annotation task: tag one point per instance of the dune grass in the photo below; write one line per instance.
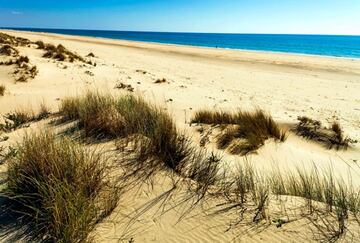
(129, 116)
(58, 187)
(2, 90)
(59, 53)
(248, 130)
(96, 114)
(331, 137)
(8, 50)
(20, 117)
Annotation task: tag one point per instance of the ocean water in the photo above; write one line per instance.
(324, 45)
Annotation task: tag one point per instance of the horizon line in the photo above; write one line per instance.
(179, 32)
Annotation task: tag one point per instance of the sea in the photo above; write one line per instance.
(322, 45)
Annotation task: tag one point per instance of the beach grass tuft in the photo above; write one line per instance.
(246, 131)
(330, 137)
(58, 188)
(2, 90)
(155, 132)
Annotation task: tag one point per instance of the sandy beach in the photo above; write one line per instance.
(285, 85)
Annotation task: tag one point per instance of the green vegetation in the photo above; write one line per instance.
(330, 137)
(245, 132)
(128, 116)
(58, 188)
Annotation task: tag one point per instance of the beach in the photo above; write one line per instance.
(286, 86)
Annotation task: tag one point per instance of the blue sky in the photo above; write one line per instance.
(222, 16)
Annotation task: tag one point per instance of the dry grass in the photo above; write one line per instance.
(17, 119)
(14, 41)
(152, 130)
(96, 114)
(40, 44)
(2, 90)
(128, 87)
(160, 81)
(24, 70)
(246, 131)
(58, 188)
(330, 137)
(60, 53)
(8, 50)
(21, 117)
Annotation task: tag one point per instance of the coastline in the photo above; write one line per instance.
(193, 45)
(300, 61)
(182, 80)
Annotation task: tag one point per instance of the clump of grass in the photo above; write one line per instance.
(60, 53)
(2, 90)
(331, 137)
(21, 60)
(160, 81)
(58, 188)
(248, 130)
(12, 40)
(156, 135)
(40, 44)
(96, 113)
(24, 69)
(162, 140)
(128, 87)
(44, 112)
(205, 171)
(16, 119)
(8, 50)
(214, 117)
(21, 117)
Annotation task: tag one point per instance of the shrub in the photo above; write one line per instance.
(60, 53)
(16, 119)
(248, 132)
(40, 44)
(2, 90)
(8, 50)
(90, 54)
(160, 81)
(22, 59)
(330, 137)
(58, 188)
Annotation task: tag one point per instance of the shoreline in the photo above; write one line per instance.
(280, 60)
(194, 46)
(179, 81)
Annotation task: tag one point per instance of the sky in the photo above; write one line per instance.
(211, 16)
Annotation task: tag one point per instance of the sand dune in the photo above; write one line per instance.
(287, 86)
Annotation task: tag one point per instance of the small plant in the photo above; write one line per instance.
(40, 44)
(8, 50)
(160, 81)
(16, 119)
(58, 188)
(128, 87)
(22, 59)
(331, 137)
(90, 54)
(2, 90)
(60, 53)
(245, 132)
(44, 112)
